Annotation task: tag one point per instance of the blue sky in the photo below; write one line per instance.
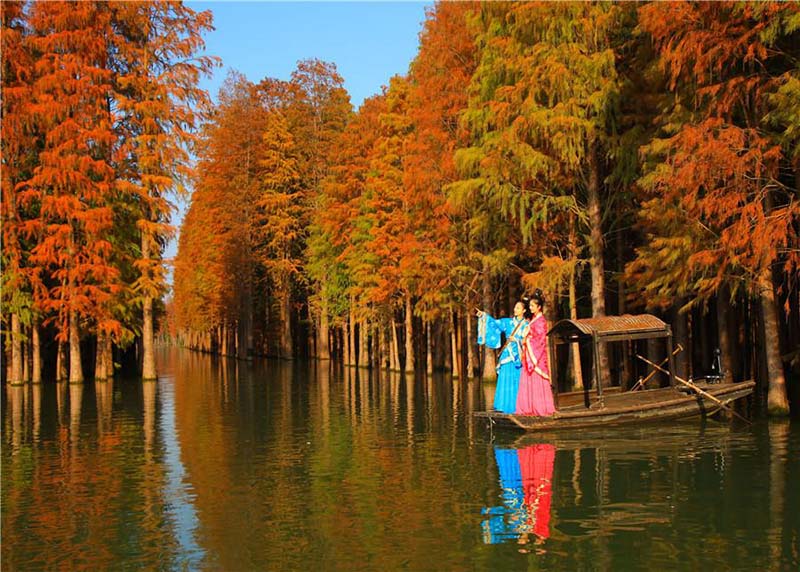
(368, 41)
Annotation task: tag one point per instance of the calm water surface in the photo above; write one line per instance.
(274, 466)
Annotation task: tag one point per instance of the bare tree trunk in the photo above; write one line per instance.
(36, 350)
(323, 343)
(61, 362)
(409, 335)
(26, 354)
(386, 346)
(346, 344)
(245, 324)
(655, 356)
(148, 353)
(100, 359)
(363, 360)
(574, 349)
(454, 344)
(75, 368)
(681, 330)
(395, 347)
(489, 362)
(777, 399)
(352, 332)
(109, 352)
(286, 321)
(627, 372)
(596, 254)
(428, 349)
(16, 351)
(472, 358)
(723, 327)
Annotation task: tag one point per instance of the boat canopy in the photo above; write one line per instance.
(611, 328)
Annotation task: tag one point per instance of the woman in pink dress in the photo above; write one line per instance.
(535, 396)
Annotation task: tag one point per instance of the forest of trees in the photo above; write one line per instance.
(100, 107)
(623, 157)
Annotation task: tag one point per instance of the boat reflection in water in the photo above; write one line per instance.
(526, 476)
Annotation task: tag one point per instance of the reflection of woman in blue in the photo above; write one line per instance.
(504, 522)
(509, 363)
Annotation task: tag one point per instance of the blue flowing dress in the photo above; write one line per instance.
(509, 363)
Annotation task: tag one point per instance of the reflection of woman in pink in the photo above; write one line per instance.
(536, 466)
(535, 396)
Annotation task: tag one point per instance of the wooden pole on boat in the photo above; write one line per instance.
(643, 382)
(697, 389)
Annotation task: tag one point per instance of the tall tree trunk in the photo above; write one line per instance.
(655, 355)
(148, 352)
(428, 349)
(489, 362)
(454, 344)
(346, 344)
(16, 351)
(627, 370)
(472, 358)
(724, 334)
(395, 347)
(36, 350)
(777, 399)
(61, 362)
(26, 354)
(75, 367)
(574, 349)
(681, 335)
(596, 253)
(286, 320)
(323, 341)
(409, 335)
(386, 346)
(363, 358)
(100, 368)
(109, 353)
(245, 324)
(352, 332)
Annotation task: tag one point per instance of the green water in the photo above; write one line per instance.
(274, 466)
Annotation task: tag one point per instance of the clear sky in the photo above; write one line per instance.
(368, 41)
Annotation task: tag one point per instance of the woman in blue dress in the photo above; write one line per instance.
(509, 362)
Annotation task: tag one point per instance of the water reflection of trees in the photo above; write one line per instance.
(291, 466)
(325, 477)
(344, 466)
(76, 491)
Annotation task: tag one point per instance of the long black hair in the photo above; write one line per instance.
(526, 303)
(538, 296)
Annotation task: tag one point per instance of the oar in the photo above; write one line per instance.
(697, 389)
(642, 382)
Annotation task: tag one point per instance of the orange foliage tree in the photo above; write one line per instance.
(717, 210)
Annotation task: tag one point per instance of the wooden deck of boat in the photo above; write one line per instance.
(619, 408)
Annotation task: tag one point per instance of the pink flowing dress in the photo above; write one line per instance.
(535, 396)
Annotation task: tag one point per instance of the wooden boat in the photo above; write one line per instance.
(612, 406)
(619, 408)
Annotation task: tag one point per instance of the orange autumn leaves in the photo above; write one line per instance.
(100, 101)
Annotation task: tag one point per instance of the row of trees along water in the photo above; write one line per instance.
(622, 157)
(100, 102)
